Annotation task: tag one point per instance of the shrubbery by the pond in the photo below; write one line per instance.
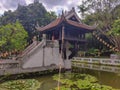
(23, 84)
(75, 81)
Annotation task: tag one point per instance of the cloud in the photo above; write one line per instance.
(10, 5)
(50, 5)
(59, 5)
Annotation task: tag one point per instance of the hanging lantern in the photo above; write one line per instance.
(6, 53)
(103, 41)
(108, 45)
(113, 48)
(117, 50)
(98, 38)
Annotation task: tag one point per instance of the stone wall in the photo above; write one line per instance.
(44, 56)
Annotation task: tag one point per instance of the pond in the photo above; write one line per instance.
(102, 77)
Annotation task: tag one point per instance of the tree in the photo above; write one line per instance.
(102, 12)
(13, 37)
(114, 33)
(29, 16)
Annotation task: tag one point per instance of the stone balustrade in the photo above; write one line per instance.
(107, 68)
(7, 64)
(104, 61)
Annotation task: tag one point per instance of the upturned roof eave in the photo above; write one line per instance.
(83, 26)
(61, 20)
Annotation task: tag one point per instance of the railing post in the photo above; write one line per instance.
(34, 40)
(44, 38)
(45, 43)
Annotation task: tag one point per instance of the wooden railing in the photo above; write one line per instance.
(73, 38)
(98, 61)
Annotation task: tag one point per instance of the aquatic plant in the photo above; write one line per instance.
(83, 84)
(90, 78)
(97, 86)
(23, 84)
(77, 81)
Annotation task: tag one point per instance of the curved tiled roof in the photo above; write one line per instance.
(62, 19)
(51, 25)
(80, 25)
(70, 22)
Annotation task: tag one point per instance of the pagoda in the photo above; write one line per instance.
(69, 31)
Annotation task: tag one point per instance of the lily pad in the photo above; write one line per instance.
(83, 84)
(23, 84)
(76, 81)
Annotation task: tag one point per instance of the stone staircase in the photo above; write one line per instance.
(31, 50)
(42, 54)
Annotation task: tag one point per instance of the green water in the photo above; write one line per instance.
(105, 78)
(47, 82)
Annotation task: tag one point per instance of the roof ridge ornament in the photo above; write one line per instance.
(62, 13)
(73, 9)
(63, 16)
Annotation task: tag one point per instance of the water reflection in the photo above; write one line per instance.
(47, 82)
(107, 75)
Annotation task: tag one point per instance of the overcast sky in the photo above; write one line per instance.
(53, 5)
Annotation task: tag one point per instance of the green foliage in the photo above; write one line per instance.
(93, 52)
(103, 13)
(78, 81)
(29, 16)
(27, 84)
(83, 84)
(114, 33)
(115, 28)
(13, 36)
(97, 86)
(63, 88)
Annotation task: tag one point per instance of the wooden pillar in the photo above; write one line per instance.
(62, 46)
(75, 45)
(60, 35)
(53, 37)
(48, 36)
(83, 36)
(85, 48)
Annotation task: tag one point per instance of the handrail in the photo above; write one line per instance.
(7, 64)
(41, 44)
(97, 67)
(98, 61)
(28, 49)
